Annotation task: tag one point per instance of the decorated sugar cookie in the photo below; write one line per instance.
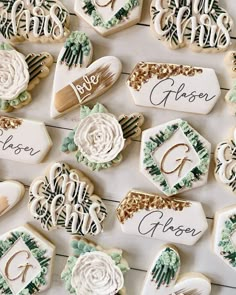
(174, 87)
(63, 198)
(163, 277)
(75, 82)
(201, 25)
(94, 270)
(26, 260)
(19, 75)
(224, 238)
(33, 20)
(109, 16)
(225, 159)
(11, 192)
(230, 61)
(175, 157)
(163, 218)
(99, 138)
(23, 140)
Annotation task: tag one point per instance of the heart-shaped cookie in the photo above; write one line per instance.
(11, 192)
(75, 84)
(109, 16)
(162, 278)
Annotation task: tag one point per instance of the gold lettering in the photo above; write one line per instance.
(182, 161)
(24, 267)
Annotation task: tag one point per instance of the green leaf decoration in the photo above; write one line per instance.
(6, 46)
(166, 268)
(226, 243)
(131, 125)
(76, 46)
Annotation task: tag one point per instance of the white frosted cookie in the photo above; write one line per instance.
(94, 270)
(230, 62)
(99, 138)
(11, 192)
(174, 87)
(224, 238)
(63, 198)
(75, 82)
(183, 23)
(162, 218)
(26, 261)
(23, 140)
(163, 277)
(34, 20)
(174, 157)
(19, 75)
(225, 163)
(109, 16)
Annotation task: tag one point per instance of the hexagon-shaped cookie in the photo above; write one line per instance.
(26, 260)
(175, 157)
(224, 235)
(109, 16)
(164, 218)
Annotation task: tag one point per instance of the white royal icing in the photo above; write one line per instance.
(11, 193)
(42, 19)
(225, 163)
(213, 30)
(14, 74)
(29, 142)
(95, 273)
(99, 137)
(64, 195)
(174, 87)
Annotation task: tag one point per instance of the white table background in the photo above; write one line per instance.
(131, 46)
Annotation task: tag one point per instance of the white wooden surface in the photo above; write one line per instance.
(131, 46)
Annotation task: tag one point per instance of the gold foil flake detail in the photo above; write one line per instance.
(136, 201)
(143, 72)
(9, 122)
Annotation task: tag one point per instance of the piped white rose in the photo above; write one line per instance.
(99, 138)
(94, 271)
(19, 75)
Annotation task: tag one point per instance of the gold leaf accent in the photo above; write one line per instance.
(9, 122)
(143, 72)
(136, 201)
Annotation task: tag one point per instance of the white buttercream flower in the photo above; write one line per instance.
(14, 74)
(99, 137)
(95, 273)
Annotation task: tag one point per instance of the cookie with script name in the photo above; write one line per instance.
(174, 157)
(11, 192)
(200, 25)
(163, 276)
(225, 160)
(230, 98)
(109, 16)
(160, 217)
(174, 87)
(26, 261)
(34, 20)
(19, 75)
(23, 140)
(75, 82)
(94, 270)
(64, 198)
(99, 138)
(224, 237)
